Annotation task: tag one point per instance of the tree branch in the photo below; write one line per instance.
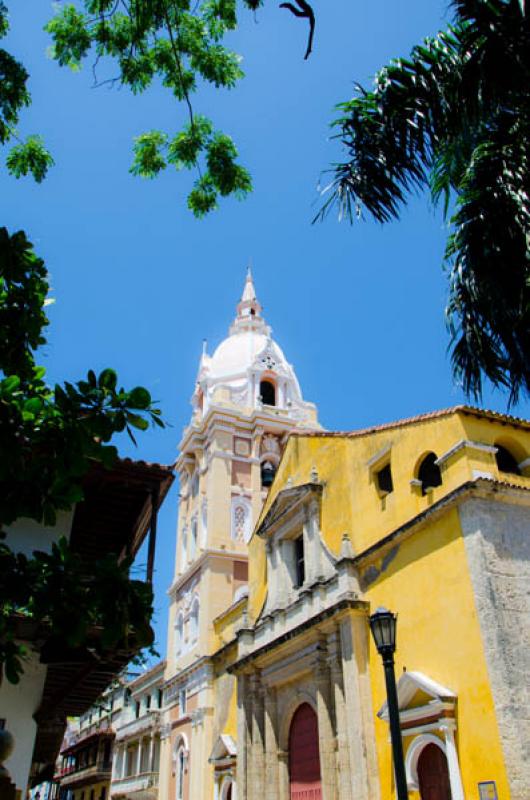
(304, 10)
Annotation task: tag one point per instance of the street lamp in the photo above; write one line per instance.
(383, 627)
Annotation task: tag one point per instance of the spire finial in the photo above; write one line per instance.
(249, 293)
(249, 308)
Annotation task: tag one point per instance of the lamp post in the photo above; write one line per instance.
(383, 627)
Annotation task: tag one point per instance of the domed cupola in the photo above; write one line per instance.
(249, 369)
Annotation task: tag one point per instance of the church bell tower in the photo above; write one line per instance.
(246, 401)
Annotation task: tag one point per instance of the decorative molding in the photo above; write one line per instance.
(464, 444)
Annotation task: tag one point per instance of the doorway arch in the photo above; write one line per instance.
(304, 758)
(433, 773)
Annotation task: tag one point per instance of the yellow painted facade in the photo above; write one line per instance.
(411, 554)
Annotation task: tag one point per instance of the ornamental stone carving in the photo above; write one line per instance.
(270, 445)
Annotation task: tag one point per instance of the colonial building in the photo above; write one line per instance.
(429, 517)
(246, 402)
(117, 514)
(113, 750)
(136, 752)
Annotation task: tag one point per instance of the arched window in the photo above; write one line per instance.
(193, 541)
(180, 771)
(184, 548)
(267, 391)
(241, 517)
(194, 621)
(204, 523)
(429, 473)
(179, 634)
(506, 462)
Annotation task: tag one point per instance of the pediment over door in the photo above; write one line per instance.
(421, 700)
(223, 749)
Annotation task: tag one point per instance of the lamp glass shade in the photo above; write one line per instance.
(383, 627)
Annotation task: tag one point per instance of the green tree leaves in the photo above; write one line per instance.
(213, 153)
(30, 157)
(180, 44)
(111, 610)
(148, 157)
(50, 435)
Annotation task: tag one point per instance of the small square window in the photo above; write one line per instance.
(384, 480)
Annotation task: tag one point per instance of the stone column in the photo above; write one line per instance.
(139, 757)
(326, 733)
(243, 735)
(337, 688)
(455, 779)
(258, 739)
(284, 561)
(354, 632)
(271, 746)
(284, 787)
(151, 753)
(313, 567)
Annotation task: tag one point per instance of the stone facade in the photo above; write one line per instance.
(497, 539)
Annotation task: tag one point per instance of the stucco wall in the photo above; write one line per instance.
(26, 535)
(497, 539)
(18, 703)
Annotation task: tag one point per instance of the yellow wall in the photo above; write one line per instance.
(425, 578)
(428, 585)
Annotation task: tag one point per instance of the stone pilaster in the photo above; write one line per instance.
(244, 733)
(326, 732)
(257, 770)
(360, 718)
(337, 689)
(271, 745)
(284, 787)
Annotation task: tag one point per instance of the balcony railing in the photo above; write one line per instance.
(134, 783)
(131, 727)
(99, 770)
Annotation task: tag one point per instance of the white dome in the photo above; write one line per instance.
(236, 354)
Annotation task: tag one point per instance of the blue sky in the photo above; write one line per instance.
(139, 282)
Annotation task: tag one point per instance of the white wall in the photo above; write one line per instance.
(18, 703)
(26, 535)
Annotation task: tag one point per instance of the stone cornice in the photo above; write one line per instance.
(481, 487)
(209, 553)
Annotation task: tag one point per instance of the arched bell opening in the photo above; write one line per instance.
(429, 472)
(267, 392)
(506, 460)
(268, 471)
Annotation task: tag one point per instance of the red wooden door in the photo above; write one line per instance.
(304, 760)
(433, 774)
